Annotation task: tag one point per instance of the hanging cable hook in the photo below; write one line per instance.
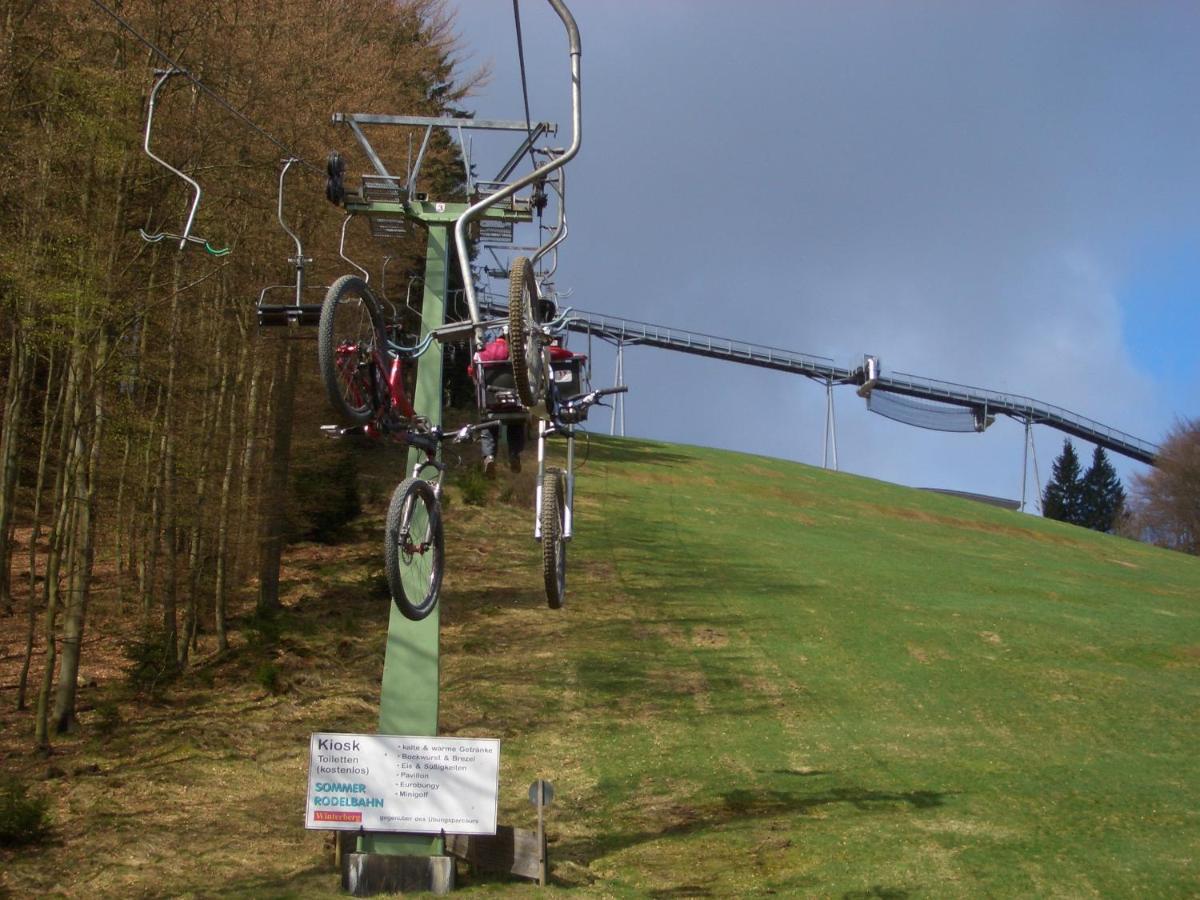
(187, 236)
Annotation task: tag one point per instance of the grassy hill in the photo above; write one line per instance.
(768, 679)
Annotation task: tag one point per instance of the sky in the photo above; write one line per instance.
(1003, 195)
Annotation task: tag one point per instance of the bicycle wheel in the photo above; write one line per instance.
(554, 545)
(413, 551)
(531, 370)
(348, 346)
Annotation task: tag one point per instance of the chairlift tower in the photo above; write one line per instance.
(390, 203)
(409, 698)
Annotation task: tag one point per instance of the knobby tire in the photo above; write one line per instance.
(348, 336)
(414, 548)
(554, 545)
(530, 368)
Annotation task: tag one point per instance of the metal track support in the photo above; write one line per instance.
(830, 428)
(618, 407)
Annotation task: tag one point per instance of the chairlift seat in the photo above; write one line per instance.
(496, 394)
(308, 314)
(292, 315)
(495, 391)
(568, 375)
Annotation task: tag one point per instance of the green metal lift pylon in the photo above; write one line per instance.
(408, 703)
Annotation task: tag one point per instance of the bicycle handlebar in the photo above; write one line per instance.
(465, 433)
(592, 397)
(574, 410)
(428, 439)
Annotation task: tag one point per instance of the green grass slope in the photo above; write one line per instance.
(768, 679)
(809, 683)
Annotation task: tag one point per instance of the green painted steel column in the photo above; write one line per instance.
(408, 703)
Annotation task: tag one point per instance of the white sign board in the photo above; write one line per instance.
(384, 782)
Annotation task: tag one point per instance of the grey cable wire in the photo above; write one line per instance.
(206, 89)
(524, 82)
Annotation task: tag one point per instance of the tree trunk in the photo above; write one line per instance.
(88, 442)
(15, 395)
(249, 460)
(222, 525)
(273, 509)
(119, 549)
(58, 539)
(43, 455)
(151, 522)
(198, 540)
(170, 605)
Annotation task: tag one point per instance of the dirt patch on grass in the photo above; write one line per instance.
(955, 523)
(925, 655)
(709, 638)
(1125, 563)
(1186, 657)
(760, 472)
(689, 683)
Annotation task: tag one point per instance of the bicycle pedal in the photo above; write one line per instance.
(338, 431)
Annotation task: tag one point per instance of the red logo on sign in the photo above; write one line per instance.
(321, 815)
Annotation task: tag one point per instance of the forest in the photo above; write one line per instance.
(152, 430)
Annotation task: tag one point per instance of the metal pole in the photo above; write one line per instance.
(617, 379)
(1025, 463)
(830, 427)
(621, 397)
(541, 831)
(165, 74)
(1037, 478)
(833, 430)
(825, 436)
(556, 162)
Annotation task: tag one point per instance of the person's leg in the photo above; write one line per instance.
(515, 435)
(488, 439)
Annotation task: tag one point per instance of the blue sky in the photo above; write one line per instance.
(1001, 195)
(1160, 301)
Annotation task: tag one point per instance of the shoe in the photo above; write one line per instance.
(489, 467)
(514, 463)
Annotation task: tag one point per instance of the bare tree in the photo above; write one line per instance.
(1165, 508)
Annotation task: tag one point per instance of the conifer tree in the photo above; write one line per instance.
(1062, 498)
(1101, 494)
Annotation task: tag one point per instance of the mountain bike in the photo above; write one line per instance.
(414, 544)
(555, 501)
(362, 365)
(363, 370)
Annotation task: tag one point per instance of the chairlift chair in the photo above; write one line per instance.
(297, 313)
(186, 237)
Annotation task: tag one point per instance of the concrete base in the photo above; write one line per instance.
(368, 874)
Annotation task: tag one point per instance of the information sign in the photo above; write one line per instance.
(384, 782)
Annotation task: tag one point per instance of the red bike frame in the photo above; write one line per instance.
(348, 356)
